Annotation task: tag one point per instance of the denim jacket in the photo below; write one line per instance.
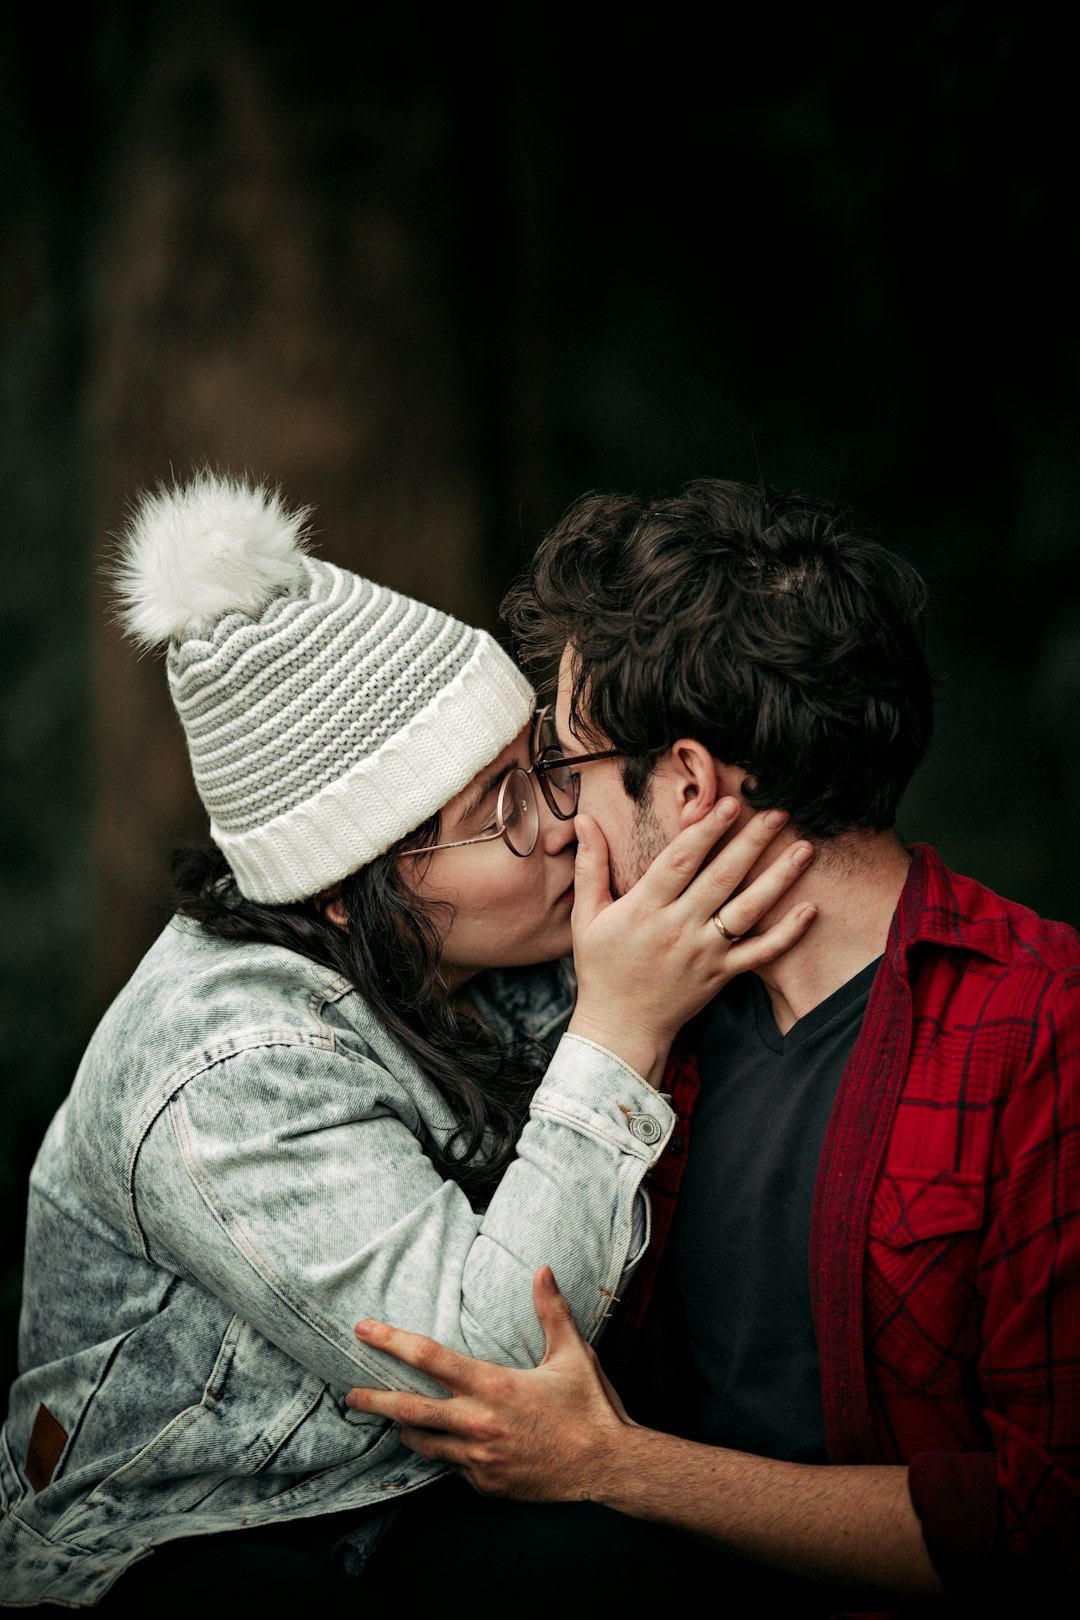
(237, 1176)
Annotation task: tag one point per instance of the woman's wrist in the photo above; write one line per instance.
(643, 1051)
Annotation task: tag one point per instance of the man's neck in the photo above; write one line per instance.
(855, 881)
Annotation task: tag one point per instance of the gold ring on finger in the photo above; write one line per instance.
(719, 921)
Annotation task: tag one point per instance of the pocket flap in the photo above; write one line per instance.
(910, 1205)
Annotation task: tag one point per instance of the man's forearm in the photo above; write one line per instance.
(558, 1433)
(845, 1526)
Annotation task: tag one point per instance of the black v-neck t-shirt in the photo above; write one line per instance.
(739, 1250)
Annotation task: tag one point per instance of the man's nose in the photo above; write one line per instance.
(555, 835)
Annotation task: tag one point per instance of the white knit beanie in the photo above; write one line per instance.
(326, 716)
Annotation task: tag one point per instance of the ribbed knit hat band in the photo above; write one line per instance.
(326, 716)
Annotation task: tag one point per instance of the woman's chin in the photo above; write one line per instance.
(563, 941)
(557, 940)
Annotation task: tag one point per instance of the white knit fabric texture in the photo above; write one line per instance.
(334, 723)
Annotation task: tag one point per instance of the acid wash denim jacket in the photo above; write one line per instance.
(237, 1176)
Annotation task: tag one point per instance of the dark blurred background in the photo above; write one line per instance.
(436, 270)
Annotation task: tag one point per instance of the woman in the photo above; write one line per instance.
(310, 1104)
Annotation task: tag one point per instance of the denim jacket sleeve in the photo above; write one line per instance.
(290, 1180)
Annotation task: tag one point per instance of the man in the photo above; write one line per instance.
(864, 1274)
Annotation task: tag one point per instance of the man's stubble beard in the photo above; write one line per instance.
(646, 842)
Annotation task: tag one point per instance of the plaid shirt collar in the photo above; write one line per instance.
(927, 913)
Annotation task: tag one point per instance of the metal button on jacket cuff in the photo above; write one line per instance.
(645, 1128)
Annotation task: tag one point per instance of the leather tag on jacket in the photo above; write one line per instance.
(47, 1440)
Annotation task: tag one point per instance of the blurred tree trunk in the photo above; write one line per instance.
(283, 267)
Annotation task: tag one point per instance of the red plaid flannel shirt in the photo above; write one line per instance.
(945, 1244)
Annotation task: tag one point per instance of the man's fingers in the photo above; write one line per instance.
(419, 1411)
(444, 1448)
(747, 908)
(455, 1371)
(555, 1316)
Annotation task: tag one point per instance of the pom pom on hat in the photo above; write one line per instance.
(213, 546)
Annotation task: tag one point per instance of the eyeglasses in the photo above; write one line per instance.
(517, 814)
(559, 782)
(517, 818)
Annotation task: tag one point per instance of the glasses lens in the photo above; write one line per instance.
(517, 813)
(542, 735)
(559, 780)
(562, 783)
(545, 736)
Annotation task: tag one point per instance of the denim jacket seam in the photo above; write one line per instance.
(316, 1001)
(302, 1405)
(624, 1143)
(336, 988)
(136, 1466)
(248, 1251)
(163, 1095)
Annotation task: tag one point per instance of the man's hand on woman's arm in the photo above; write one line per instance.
(558, 1433)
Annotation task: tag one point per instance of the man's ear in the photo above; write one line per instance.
(693, 779)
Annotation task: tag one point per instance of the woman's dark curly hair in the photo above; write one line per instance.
(390, 952)
(765, 625)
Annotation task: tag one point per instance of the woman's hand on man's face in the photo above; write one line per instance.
(647, 962)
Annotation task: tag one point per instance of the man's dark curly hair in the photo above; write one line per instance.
(765, 625)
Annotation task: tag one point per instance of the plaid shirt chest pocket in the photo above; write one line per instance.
(921, 1300)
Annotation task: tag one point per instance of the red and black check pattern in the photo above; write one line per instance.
(945, 1252)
